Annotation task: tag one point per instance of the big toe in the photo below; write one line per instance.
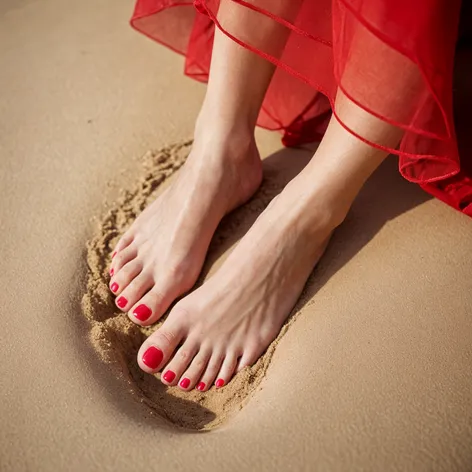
(148, 309)
(159, 347)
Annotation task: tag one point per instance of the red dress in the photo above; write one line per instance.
(393, 58)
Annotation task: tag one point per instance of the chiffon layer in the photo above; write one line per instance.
(392, 58)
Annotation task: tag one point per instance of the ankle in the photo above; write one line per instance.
(233, 158)
(216, 128)
(319, 206)
(233, 143)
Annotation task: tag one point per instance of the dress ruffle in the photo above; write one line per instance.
(393, 58)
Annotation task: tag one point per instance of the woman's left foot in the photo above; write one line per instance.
(227, 323)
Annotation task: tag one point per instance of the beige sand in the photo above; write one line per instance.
(375, 372)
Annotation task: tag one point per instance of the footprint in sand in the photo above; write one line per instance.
(117, 339)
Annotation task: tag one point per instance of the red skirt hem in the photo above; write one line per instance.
(437, 168)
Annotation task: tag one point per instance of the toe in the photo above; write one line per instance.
(192, 375)
(250, 357)
(120, 281)
(122, 258)
(158, 348)
(211, 370)
(123, 243)
(151, 306)
(182, 358)
(227, 370)
(134, 291)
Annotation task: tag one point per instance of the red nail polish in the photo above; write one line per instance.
(114, 287)
(201, 386)
(184, 383)
(121, 302)
(169, 376)
(142, 312)
(152, 357)
(112, 271)
(113, 255)
(219, 383)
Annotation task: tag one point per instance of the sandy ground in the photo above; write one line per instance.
(375, 372)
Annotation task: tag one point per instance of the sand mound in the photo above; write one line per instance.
(117, 339)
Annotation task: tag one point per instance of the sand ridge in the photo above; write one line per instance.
(117, 340)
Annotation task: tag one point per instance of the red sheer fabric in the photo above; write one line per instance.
(392, 58)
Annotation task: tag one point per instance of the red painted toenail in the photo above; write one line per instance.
(219, 383)
(113, 255)
(152, 357)
(121, 302)
(184, 383)
(169, 376)
(114, 287)
(201, 386)
(142, 312)
(112, 271)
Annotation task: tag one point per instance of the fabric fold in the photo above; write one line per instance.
(393, 59)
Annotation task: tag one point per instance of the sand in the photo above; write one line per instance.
(374, 371)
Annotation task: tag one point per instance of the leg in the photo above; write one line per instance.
(227, 323)
(161, 255)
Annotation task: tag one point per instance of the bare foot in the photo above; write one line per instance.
(161, 255)
(228, 322)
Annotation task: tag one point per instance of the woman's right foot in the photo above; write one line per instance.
(160, 256)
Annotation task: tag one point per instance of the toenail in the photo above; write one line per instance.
(113, 255)
(142, 312)
(184, 383)
(169, 376)
(112, 271)
(114, 287)
(201, 386)
(121, 302)
(152, 357)
(219, 383)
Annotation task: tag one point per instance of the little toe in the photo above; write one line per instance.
(192, 375)
(177, 365)
(227, 370)
(134, 291)
(159, 347)
(213, 367)
(125, 276)
(123, 243)
(249, 357)
(122, 258)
